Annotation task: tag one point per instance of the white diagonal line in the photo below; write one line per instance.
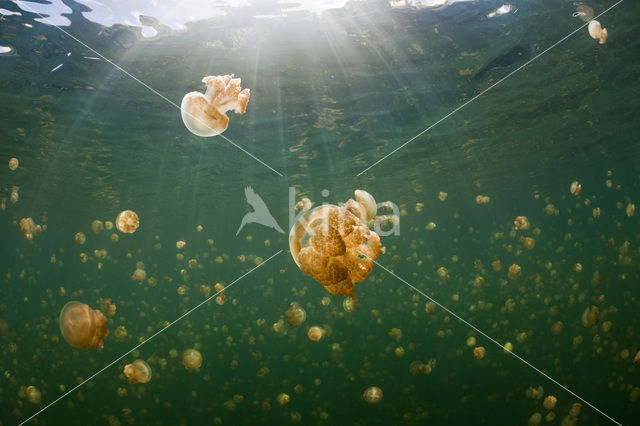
(487, 89)
(119, 68)
(147, 340)
(458, 317)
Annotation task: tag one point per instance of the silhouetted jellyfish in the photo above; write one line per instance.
(192, 359)
(127, 221)
(334, 245)
(205, 114)
(372, 395)
(81, 326)
(138, 371)
(13, 164)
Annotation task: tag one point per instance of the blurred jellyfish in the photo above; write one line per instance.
(535, 419)
(127, 221)
(442, 195)
(514, 271)
(372, 395)
(550, 402)
(430, 308)
(33, 395)
(27, 227)
(139, 275)
(138, 371)
(192, 359)
(97, 226)
(631, 209)
(295, 314)
(14, 195)
(575, 188)
(107, 307)
(315, 333)
(590, 316)
(13, 164)
(482, 199)
(4, 327)
(636, 359)
(597, 32)
(283, 398)
(303, 205)
(180, 244)
(205, 114)
(479, 352)
(521, 223)
(82, 327)
(584, 12)
(80, 238)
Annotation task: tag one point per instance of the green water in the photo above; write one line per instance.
(330, 96)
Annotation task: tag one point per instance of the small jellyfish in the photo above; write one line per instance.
(372, 395)
(597, 32)
(590, 316)
(127, 221)
(13, 164)
(514, 271)
(139, 275)
(4, 328)
(97, 226)
(631, 209)
(442, 195)
(521, 223)
(180, 244)
(27, 227)
(80, 238)
(303, 205)
(575, 188)
(205, 114)
(636, 359)
(107, 307)
(138, 371)
(550, 402)
(192, 359)
(479, 352)
(315, 333)
(283, 398)
(584, 12)
(83, 327)
(33, 395)
(295, 314)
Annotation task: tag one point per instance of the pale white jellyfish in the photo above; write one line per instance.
(205, 114)
(596, 31)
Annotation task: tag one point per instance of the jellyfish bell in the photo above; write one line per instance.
(192, 359)
(372, 395)
(13, 164)
(82, 327)
(138, 371)
(205, 114)
(295, 314)
(367, 201)
(33, 395)
(597, 32)
(584, 12)
(127, 221)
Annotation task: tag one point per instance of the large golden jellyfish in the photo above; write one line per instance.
(127, 221)
(334, 245)
(205, 114)
(138, 371)
(192, 359)
(83, 327)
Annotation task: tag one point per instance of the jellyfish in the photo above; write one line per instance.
(127, 221)
(82, 327)
(636, 359)
(34, 395)
(479, 352)
(315, 333)
(295, 314)
(139, 275)
(192, 359)
(283, 399)
(80, 238)
(107, 307)
(372, 395)
(521, 223)
(334, 245)
(13, 164)
(584, 12)
(590, 316)
(205, 114)
(4, 328)
(549, 402)
(596, 31)
(97, 226)
(138, 371)
(27, 227)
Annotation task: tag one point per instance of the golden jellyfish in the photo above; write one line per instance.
(535, 419)
(205, 114)
(13, 164)
(33, 395)
(334, 245)
(127, 221)
(430, 308)
(514, 271)
(372, 395)
(550, 402)
(631, 209)
(97, 226)
(4, 328)
(521, 223)
(107, 307)
(27, 227)
(83, 327)
(138, 371)
(442, 195)
(590, 316)
(80, 238)
(15, 196)
(636, 359)
(315, 333)
(139, 275)
(180, 244)
(597, 32)
(575, 188)
(479, 352)
(192, 359)
(295, 314)
(303, 205)
(283, 398)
